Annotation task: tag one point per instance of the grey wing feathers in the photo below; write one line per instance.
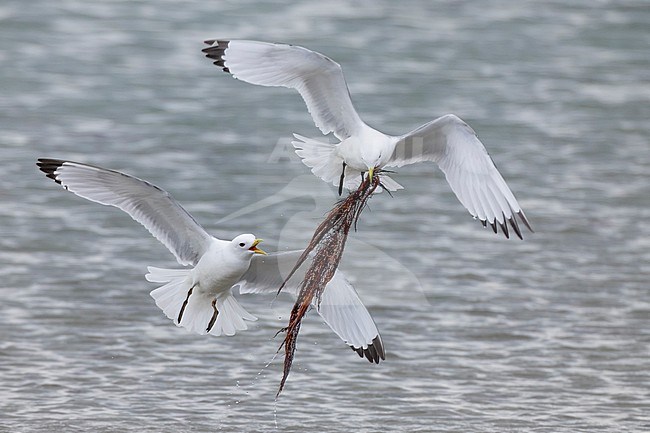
(340, 306)
(344, 312)
(468, 168)
(267, 273)
(149, 205)
(317, 78)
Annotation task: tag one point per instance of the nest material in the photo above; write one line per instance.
(327, 246)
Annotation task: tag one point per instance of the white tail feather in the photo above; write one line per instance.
(231, 316)
(321, 157)
(198, 313)
(160, 275)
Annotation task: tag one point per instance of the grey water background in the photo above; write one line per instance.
(483, 334)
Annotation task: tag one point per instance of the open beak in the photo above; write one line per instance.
(256, 250)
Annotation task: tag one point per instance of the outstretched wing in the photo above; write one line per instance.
(340, 306)
(471, 173)
(318, 78)
(344, 312)
(149, 205)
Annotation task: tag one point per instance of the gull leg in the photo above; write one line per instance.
(187, 298)
(214, 315)
(341, 180)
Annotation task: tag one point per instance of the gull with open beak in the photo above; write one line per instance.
(254, 248)
(447, 141)
(200, 298)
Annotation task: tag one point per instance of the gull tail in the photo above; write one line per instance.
(197, 312)
(320, 156)
(324, 162)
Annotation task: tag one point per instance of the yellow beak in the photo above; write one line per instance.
(371, 171)
(256, 250)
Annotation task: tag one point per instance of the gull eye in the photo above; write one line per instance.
(241, 244)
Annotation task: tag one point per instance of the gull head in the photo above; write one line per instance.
(372, 164)
(247, 244)
(375, 149)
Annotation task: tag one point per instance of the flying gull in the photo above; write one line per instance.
(448, 141)
(200, 298)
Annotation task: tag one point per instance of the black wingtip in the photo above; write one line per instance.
(216, 52)
(377, 343)
(504, 226)
(523, 219)
(515, 225)
(373, 353)
(49, 167)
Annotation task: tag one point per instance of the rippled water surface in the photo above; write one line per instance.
(483, 334)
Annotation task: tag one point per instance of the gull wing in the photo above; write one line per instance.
(149, 205)
(471, 173)
(340, 306)
(317, 78)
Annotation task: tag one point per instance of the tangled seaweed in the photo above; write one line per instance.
(327, 246)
